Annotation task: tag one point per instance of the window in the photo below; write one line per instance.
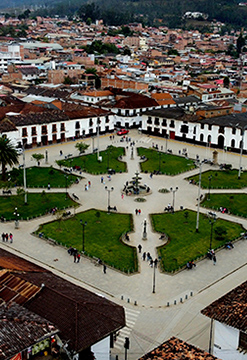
(54, 128)
(233, 131)
(172, 124)
(127, 112)
(77, 125)
(184, 129)
(90, 122)
(201, 137)
(242, 340)
(233, 143)
(209, 127)
(202, 126)
(34, 131)
(62, 127)
(44, 130)
(107, 119)
(164, 122)
(24, 132)
(221, 130)
(156, 121)
(149, 121)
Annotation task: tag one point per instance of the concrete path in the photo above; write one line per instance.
(150, 321)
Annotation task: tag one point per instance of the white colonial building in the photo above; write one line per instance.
(229, 320)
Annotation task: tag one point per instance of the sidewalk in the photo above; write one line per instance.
(135, 288)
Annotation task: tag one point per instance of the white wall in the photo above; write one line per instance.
(226, 341)
(101, 350)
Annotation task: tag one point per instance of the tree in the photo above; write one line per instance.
(81, 147)
(38, 157)
(226, 82)
(8, 155)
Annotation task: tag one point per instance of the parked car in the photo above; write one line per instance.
(122, 132)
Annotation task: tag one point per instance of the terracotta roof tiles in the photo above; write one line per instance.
(176, 349)
(230, 309)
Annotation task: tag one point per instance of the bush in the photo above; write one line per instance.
(220, 232)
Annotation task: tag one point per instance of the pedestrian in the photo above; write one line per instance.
(11, 238)
(78, 258)
(214, 259)
(89, 184)
(3, 237)
(49, 186)
(140, 248)
(155, 262)
(122, 196)
(137, 211)
(75, 257)
(151, 175)
(61, 153)
(104, 269)
(6, 237)
(151, 262)
(102, 179)
(144, 256)
(86, 188)
(148, 256)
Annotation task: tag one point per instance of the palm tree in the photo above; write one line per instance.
(8, 155)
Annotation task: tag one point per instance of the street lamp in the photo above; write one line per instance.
(173, 197)
(83, 224)
(241, 150)
(199, 196)
(46, 156)
(109, 191)
(209, 185)
(211, 222)
(154, 279)
(66, 185)
(16, 214)
(24, 177)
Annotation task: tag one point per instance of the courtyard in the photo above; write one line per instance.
(139, 287)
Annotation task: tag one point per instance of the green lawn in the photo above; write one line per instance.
(38, 204)
(40, 177)
(235, 203)
(90, 163)
(102, 237)
(222, 179)
(164, 163)
(185, 243)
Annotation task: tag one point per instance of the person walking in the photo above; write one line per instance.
(75, 257)
(144, 256)
(6, 237)
(78, 258)
(102, 179)
(3, 237)
(104, 269)
(140, 248)
(11, 238)
(122, 196)
(214, 259)
(49, 186)
(155, 262)
(89, 184)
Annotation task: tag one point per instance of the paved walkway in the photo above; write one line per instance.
(186, 286)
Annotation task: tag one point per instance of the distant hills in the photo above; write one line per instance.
(149, 12)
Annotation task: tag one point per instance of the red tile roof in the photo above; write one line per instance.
(20, 329)
(230, 309)
(176, 349)
(135, 101)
